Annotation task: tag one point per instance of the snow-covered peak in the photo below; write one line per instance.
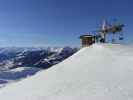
(98, 72)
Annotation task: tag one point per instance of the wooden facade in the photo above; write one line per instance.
(87, 40)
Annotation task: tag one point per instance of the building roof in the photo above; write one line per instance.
(82, 36)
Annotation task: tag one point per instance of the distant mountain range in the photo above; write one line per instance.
(33, 57)
(18, 63)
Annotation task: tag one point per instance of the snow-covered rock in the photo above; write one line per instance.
(99, 72)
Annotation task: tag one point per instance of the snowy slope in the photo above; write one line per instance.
(99, 72)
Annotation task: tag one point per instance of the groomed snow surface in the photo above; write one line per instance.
(99, 72)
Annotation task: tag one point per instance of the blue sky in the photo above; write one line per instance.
(58, 22)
